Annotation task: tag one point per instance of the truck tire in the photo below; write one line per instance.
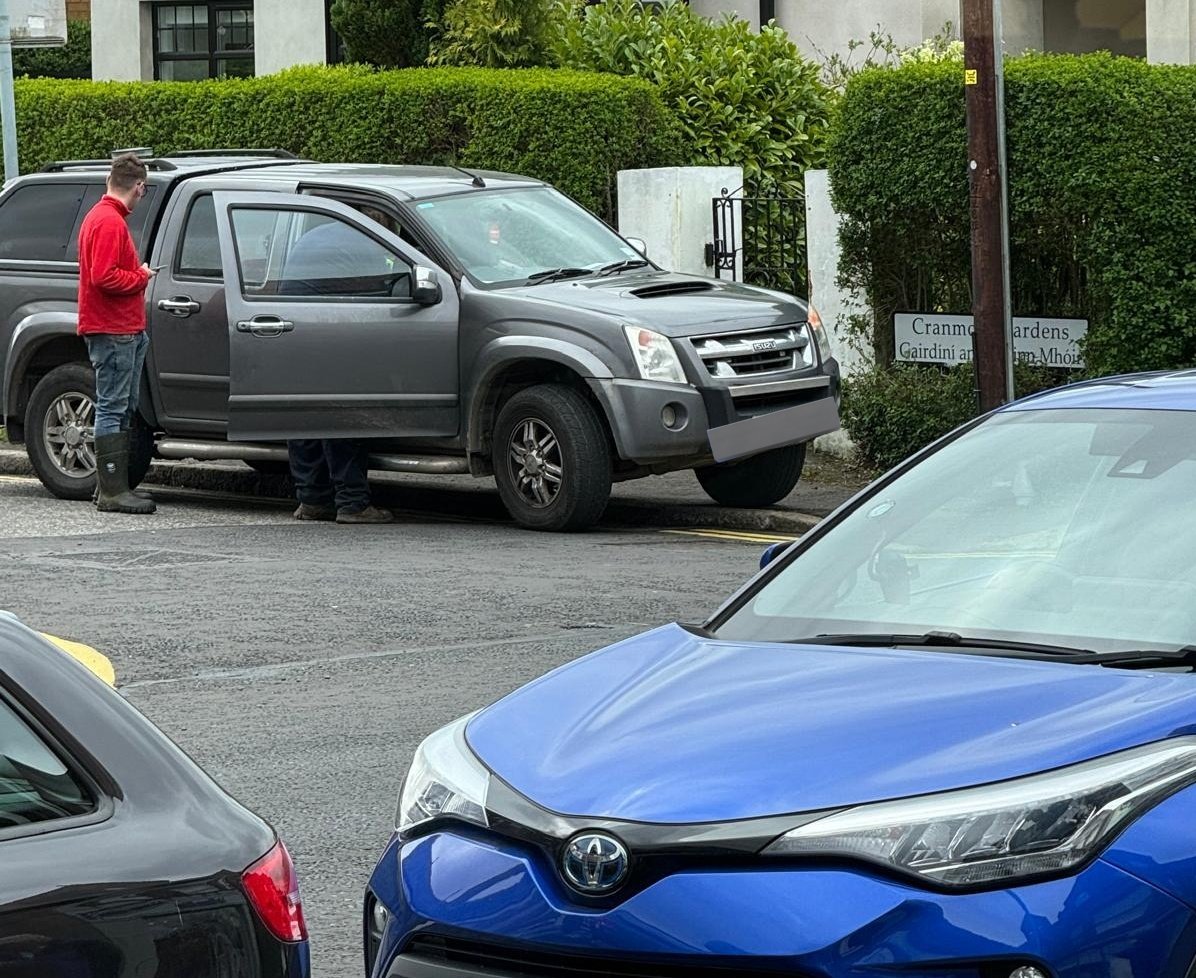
(552, 460)
(761, 480)
(60, 432)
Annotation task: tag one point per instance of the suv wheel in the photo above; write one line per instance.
(60, 434)
(552, 459)
(758, 481)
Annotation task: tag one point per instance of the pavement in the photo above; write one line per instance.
(301, 664)
(675, 499)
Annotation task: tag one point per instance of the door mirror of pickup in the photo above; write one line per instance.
(772, 553)
(427, 289)
(640, 245)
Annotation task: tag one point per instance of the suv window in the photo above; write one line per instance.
(199, 254)
(37, 221)
(303, 253)
(35, 786)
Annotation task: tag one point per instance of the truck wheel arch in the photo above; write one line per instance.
(507, 367)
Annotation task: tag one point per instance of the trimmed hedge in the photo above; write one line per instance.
(71, 61)
(573, 129)
(1102, 154)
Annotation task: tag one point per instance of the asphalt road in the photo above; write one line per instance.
(301, 664)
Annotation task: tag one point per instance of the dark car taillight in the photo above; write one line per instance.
(273, 889)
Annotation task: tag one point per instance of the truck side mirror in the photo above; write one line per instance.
(640, 245)
(426, 290)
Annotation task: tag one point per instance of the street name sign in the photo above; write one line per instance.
(924, 337)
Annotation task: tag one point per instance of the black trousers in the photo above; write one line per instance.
(329, 473)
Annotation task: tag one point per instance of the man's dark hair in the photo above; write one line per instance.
(127, 172)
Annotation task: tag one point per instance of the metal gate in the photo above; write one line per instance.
(760, 240)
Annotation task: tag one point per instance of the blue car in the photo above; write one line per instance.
(951, 733)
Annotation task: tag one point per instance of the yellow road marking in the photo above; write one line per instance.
(733, 535)
(95, 661)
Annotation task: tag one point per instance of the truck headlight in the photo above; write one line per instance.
(1036, 826)
(821, 340)
(655, 356)
(446, 780)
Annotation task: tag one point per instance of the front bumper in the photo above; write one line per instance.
(464, 905)
(636, 412)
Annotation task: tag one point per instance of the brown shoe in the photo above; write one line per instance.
(371, 515)
(315, 514)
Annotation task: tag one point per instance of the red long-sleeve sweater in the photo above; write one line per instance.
(111, 280)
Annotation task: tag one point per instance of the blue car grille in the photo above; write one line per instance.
(520, 962)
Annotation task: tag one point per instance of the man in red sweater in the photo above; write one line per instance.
(112, 284)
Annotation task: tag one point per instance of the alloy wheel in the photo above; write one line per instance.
(68, 432)
(534, 456)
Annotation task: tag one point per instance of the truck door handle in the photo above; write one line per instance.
(181, 306)
(265, 326)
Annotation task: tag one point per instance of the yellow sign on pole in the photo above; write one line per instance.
(970, 77)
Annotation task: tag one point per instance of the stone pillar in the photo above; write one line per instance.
(1171, 31)
(671, 209)
(122, 47)
(287, 33)
(835, 305)
(748, 10)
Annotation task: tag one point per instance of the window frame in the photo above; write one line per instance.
(177, 271)
(212, 55)
(103, 806)
(307, 299)
(82, 188)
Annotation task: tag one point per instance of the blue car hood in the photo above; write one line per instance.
(672, 728)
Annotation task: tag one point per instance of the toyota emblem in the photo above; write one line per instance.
(594, 863)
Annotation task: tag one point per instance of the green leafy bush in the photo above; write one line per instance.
(386, 33)
(71, 61)
(1103, 213)
(894, 411)
(574, 130)
(744, 98)
(494, 33)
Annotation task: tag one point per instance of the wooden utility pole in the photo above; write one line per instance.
(986, 176)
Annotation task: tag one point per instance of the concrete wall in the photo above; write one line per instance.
(121, 40)
(288, 32)
(1171, 31)
(671, 209)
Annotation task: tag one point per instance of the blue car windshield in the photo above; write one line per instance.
(1065, 527)
(507, 236)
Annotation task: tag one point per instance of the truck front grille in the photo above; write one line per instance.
(769, 351)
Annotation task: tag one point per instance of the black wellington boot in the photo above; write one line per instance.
(112, 476)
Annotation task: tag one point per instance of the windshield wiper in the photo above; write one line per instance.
(556, 274)
(950, 640)
(614, 268)
(1143, 658)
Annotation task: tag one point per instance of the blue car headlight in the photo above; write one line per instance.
(445, 780)
(1036, 826)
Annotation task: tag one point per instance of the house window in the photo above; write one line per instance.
(202, 40)
(1080, 26)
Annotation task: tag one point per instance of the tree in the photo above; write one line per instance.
(494, 33)
(386, 33)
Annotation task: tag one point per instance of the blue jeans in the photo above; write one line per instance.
(118, 359)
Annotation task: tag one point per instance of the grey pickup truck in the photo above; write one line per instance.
(463, 322)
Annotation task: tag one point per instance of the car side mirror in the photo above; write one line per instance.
(426, 290)
(772, 553)
(640, 245)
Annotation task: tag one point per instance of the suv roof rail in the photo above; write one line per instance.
(276, 153)
(162, 166)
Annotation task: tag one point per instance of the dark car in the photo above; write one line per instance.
(119, 857)
(465, 323)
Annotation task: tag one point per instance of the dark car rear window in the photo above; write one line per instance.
(37, 221)
(35, 785)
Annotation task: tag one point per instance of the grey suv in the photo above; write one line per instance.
(464, 322)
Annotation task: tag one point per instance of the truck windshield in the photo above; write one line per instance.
(506, 237)
(1069, 527)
